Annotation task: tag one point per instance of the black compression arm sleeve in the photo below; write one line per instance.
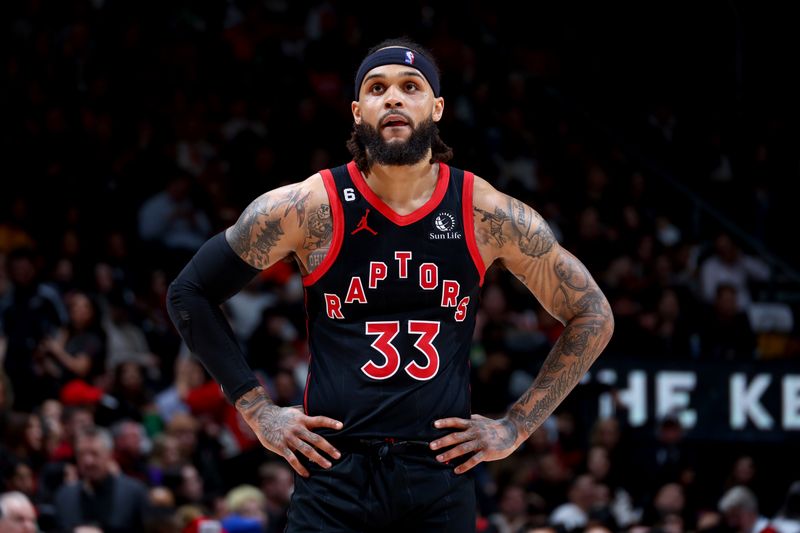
(212, 276)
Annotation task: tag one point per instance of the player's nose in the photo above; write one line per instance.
(393, 98)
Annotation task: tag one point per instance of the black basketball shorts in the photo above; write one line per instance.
(378, 486)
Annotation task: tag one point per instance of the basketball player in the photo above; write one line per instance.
(393, 247)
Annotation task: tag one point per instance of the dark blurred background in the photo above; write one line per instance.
(658, 140)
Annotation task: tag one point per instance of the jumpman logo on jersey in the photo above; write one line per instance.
(362, 224)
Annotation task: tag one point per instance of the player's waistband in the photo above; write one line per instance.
(382, 447)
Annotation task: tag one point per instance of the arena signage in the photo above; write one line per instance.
(718, 401)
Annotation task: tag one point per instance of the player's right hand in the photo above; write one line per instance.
(286, 430)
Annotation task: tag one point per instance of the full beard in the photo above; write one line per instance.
(407, 152)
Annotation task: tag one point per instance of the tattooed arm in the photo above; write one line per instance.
(275, 225)
(510, 231)
(293, 220)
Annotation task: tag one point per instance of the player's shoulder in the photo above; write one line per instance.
(315, 187)
(485, 196)
(312, 184)
(307, 192)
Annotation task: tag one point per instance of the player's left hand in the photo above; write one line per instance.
(490, 439)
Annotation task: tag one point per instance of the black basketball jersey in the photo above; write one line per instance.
(391, 310)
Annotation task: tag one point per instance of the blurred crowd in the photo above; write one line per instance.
(138, 131)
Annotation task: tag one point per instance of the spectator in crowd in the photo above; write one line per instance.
(78, 351)
(197, 446)
(607, 434)
(103, 497)
(17, 514)
(18, 476)
(75, 418)
(53, 477)
(728, 265)
(581, 498)
(745, 471)
(125, 340)
(668, 459)
(246, 512)
(669, 501)
(185, 483)
(24, 439)
(787, 520)
(665, 330)
(739, 508)
(598, 465)
(130, 449)
(512, 512)
(277, 484)
(172, 220)
(130, 389)
(164, 457)
(725, 332)
(33, 315)
(189, 374)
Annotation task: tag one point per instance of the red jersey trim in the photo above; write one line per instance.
(338, 229)
(469, 224)
(401, 220)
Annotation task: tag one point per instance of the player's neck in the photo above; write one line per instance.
(404, 187)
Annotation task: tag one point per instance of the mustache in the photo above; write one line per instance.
(399, 114)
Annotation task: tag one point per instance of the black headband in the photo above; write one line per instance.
(397, 55)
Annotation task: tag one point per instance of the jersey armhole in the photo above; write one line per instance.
(337, 218)
(469, 224)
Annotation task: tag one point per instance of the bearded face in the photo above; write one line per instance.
(396, 151)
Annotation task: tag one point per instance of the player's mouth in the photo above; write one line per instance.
(394, 121)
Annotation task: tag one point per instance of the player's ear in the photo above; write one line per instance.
(356, 109)
(438, 108)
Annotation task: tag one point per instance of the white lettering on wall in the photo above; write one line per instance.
(791, 402)
(672, 396)
(745, 404)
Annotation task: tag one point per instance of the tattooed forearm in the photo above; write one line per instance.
(576, 349)
(251, 399)
(547, 375)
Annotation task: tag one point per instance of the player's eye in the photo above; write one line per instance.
(411, 86)
(376, 88)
